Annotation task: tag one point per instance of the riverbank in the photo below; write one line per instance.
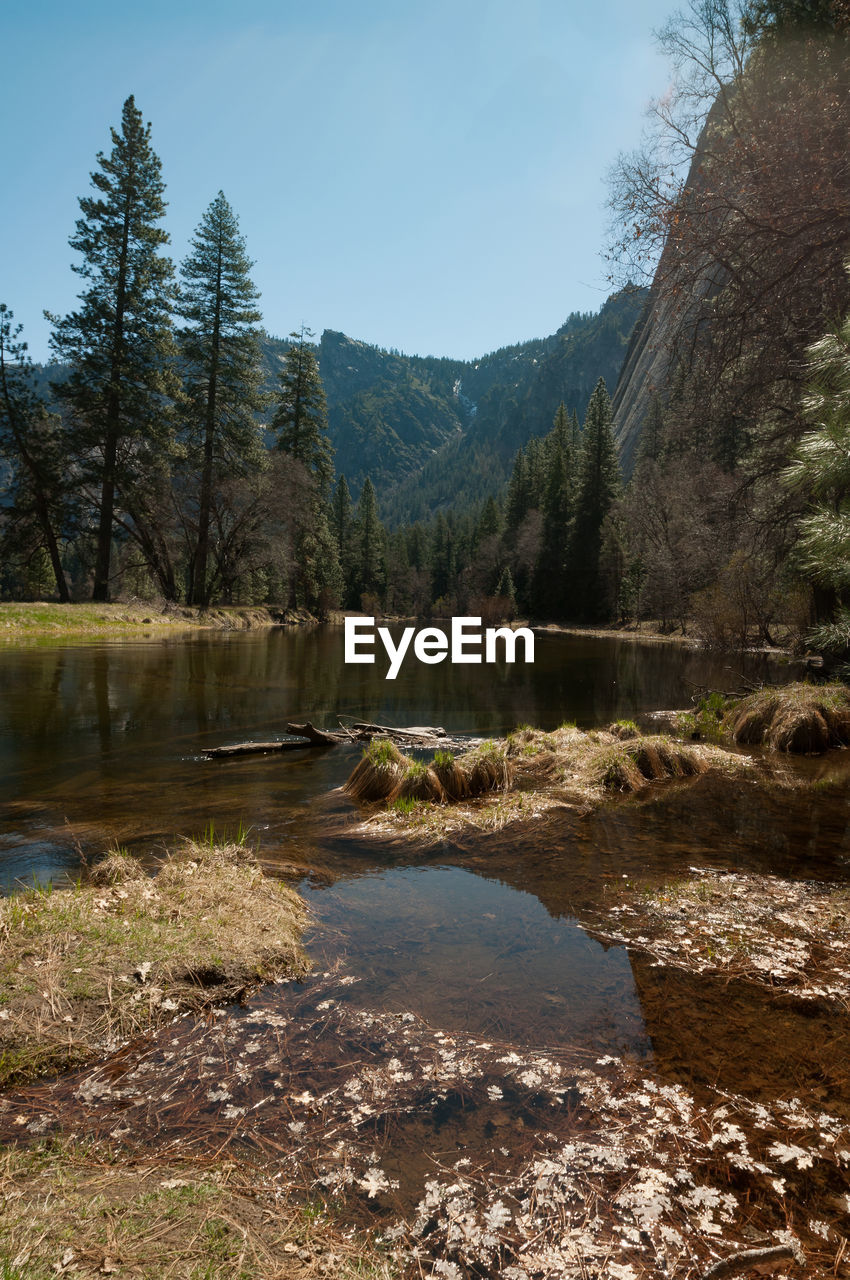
(86, 1209)
(42, 622)
(86, 969)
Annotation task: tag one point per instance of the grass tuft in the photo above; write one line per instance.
(86, 968)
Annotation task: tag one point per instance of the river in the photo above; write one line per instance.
(487, 937)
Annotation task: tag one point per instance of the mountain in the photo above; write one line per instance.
(432, 432)
(516, 394)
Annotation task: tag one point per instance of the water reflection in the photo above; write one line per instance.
(472, 955)
(101, 742)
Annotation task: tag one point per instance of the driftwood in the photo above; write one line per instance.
(316, 737)
(735, 1263)
(307, 735)
(254, 748)
(363, 730)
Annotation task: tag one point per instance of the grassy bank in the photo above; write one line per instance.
(43, 622)
(72, 1209)
(797, 718)
(84, 969)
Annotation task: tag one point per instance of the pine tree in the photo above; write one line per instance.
(598, 486)
(369, 543)
(560, 437)
(575, 433)
(443, 562)
(301, 417)
(550, 588)
(30, 447)
(651, 443)
(518, 500)
(490, 521)
(221, 355)
(301, 423)
(343, 527)
(506, 591)
(119, 342)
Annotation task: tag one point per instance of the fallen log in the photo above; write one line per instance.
(255, 748)
(415, 731)
(307, 735)
(317, 737)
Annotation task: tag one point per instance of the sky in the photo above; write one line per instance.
(423, 176)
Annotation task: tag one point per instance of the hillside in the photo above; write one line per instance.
(433, 431)
(516, 394)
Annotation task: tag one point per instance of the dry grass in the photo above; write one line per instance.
(92, 1211)
(378, 774)
(500, 782)
(591, 765)
(84, 969)
(385, 776)
(801, 718)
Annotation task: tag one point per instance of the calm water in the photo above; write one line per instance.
(102, 742)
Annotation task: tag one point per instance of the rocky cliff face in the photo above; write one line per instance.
(643, 375)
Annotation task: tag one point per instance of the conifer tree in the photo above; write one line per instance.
(342, 526)
(30, 446)
(490, 521)
(301, 417)
(119, 342)
(506, 591)
(301, 423)
(220, 352)
(651, 442)
(550, 589)
(443, 563)
(560, 436)
(518, 500)
(575, 433)
(598, 486)
(369, 543)
(820, 471)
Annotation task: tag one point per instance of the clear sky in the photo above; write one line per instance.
(423, 175)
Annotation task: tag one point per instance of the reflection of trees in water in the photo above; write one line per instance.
(150, 707)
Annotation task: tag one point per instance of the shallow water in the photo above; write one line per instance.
(102, 742)
(438, 974)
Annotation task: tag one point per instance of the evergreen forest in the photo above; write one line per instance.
(681, 456)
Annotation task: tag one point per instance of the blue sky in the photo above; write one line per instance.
(427, 176)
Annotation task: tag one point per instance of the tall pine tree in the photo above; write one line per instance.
(301, 417)
(301, 424)
(369, 542)
(598, 486)
(342, 525)
(119, 341)
(220, 353)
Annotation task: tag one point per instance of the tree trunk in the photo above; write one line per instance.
(100, 591)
